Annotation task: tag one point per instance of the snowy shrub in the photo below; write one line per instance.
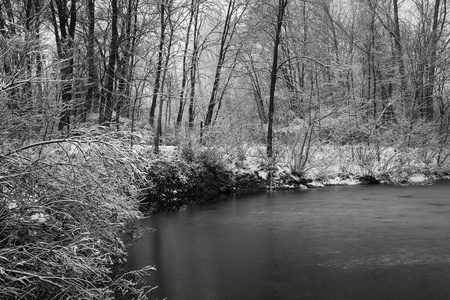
(64, 205)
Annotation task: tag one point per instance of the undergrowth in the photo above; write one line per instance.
(191, 177)
(64, 205)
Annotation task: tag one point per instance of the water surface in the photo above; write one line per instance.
(358, 242)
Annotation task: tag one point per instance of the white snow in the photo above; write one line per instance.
(418, 178)
(263, 174)
(316, 184)
(39, 218)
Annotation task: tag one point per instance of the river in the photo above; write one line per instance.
(353, 242)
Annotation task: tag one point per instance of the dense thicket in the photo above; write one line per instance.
(65, 206)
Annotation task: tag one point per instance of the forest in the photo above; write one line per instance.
(106, 104)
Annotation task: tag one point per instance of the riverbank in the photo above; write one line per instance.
(181, 176)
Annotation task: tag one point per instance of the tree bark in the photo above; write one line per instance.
(10, 15)
(184, 75)
(220, 62)
(158, 133)
(257, 91)
(159, 64)
(428, 101)
(64, 36)
(273, 75)
(110, 71)
(399, 54)
(92, 91)
(125, 68)
(193, 68)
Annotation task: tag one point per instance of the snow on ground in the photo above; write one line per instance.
(341, 181)
(343, 165)
(316, 184)
(418, 178)
(326, 164)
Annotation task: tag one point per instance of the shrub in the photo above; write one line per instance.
(63, 207)
(172, 183)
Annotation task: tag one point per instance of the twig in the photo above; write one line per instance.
(37, 145)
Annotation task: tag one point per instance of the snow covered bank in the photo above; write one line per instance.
(182, 176)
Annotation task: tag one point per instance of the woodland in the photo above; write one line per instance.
(107, 103)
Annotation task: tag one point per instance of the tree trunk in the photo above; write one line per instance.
(159, 64)
(124, 65)
(257, 91)
(158, 133)
(428, 101)
(110, 71)
(399, 55)
(10, 15)
(29, 36)
(220, 61)
(184, 75)
(38, 60)
(226, 38)
(194, 64)
(64, 36)
(92, 91)
(273, 75)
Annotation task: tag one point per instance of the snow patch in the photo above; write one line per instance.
(12, 205)
(39, 218)
(263, 174)
(316, 184)
(341, 181)
(418, 178)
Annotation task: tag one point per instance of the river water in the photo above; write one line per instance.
(354, 242)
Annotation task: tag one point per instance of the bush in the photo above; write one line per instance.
(173, 183)
(210, 159)
(63, 207)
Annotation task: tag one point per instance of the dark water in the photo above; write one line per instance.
(358, 242)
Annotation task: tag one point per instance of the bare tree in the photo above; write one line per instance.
(92, 80)
(428, 101)
(183, 92)
(158, 134)
(234, 13)
(106, 110)
(194, 64)
(281, 9)
(64, 22)
(162, 37)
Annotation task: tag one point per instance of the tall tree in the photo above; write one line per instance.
(92, 80)
(194, 64)
(233, 15)
(428, 101)
(64, 22)
(125, 64)
(256, 87)
(11, 24)
(158, 133)
(105, 115)
(183, 92)
(7, 29)
(162, 36)
(399, 53)
(281, 8)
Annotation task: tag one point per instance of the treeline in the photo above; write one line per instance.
(349, 71)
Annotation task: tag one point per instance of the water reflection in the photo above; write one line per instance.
(364, 242)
